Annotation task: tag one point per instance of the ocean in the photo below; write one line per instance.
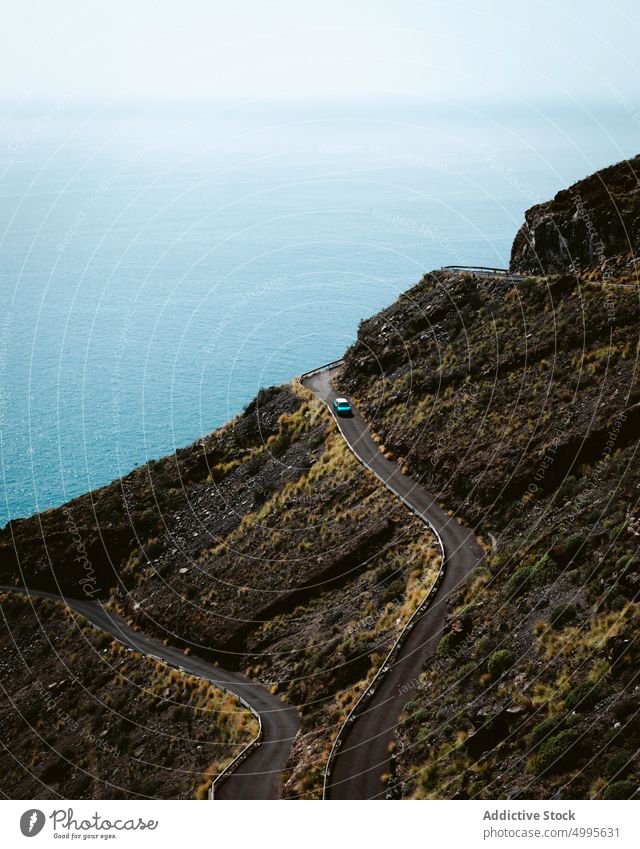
(160, 263)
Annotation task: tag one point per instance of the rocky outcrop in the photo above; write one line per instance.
(592, 226)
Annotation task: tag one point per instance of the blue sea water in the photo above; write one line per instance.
(159, 264)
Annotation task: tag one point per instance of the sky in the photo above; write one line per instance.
(209, 49)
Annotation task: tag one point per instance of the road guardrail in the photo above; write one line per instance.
(325, 367)
(483, 268)
(241, 756)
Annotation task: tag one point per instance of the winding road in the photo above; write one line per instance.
(257, 777)
(364, 756)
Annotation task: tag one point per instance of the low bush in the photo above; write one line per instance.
(626, 707)
(316, 439)
(566, 488)
(519, 582)
(499, 662)
(558, 753)
(279, 445)
(464, 671)
(573, 544)
(561, 615)
(618, 764)
(394, 592)
(544, 729)
(613, 598)
(583, 697)
(445, 646)
(544, 571)
(153, 548)
(621, 790)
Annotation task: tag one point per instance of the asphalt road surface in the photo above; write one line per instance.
(364, 755)
(259, 776)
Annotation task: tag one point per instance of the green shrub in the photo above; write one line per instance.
(464, 671)
(499, 662)
(552, 725)
(618, 530)
(394, 592)
(606, 568)
(621, 562)
(558, 753)
(519, 582)
(561, 615)
(265, 394)
(316, 440)
(279, 445)
(618, 764)
(567, 487)
(102, 640)
(445, 646)
(613, 598)
(153, 548)
(626, 707)
(583, 697)
(421, 715)
(620, 790)
(573, 544)
(544, 571)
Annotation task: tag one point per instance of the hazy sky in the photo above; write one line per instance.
(202, 49)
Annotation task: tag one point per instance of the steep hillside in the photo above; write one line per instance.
(477, 382)
(82, 547)
(518, 403)
(85, 718)
(268, 548)
(593, 227)
(265, 546)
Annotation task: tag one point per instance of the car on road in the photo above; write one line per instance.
(342, 407)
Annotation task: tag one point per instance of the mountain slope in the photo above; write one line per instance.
(84, 718)
(519, 404)
(266, 547)
(263, 546)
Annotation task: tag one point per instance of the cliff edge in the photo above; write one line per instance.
(591, 228)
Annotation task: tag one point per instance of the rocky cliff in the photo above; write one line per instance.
(591, 227)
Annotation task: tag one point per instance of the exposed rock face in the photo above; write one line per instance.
(592, 226)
